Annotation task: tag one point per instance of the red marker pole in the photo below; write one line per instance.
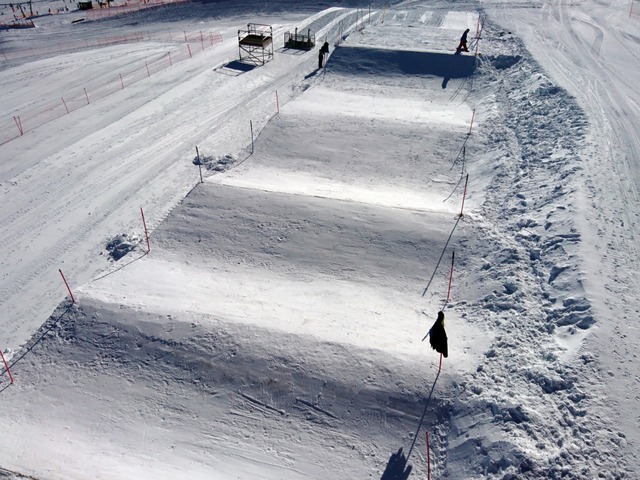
(464, 195)
(251, 125)
(65, 105)
(199, 164)
(146, 234)
(67, 284)
(18, 124)
(6, 366)
(453, 257)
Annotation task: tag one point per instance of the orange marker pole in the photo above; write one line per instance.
(6, 366)
(65, 282)
(464, 195)
(453, 257)
(146, 233)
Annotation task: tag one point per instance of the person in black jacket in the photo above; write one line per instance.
(324, 50)
(463, 42)
(438, 337)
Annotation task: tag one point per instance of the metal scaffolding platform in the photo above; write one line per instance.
(300, 40)
(255, 44)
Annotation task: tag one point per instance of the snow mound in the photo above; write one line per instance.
(218, 163)
(118, 246)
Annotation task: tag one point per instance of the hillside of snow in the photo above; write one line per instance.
(275, 328)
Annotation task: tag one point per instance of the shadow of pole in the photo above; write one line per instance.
(397, 468)
(441, 255)
(415, 437)
(460, 152)
(454, 189)
(120, 267)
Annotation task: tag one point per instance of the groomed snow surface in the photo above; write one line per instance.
(275, 329)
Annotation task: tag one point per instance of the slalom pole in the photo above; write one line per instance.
(464, 195)
(19, 124)
(199, 164)
(473, 114)
(6, 366)
(73, 300)
(251, 126)
(453, 257)
(464, 153)
(146, 233)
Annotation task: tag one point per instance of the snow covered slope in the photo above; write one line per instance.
(275, 328)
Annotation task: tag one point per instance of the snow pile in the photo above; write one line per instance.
(120, 245)
(218, 163)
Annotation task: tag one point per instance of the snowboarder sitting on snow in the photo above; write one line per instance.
(324, 50)
(463, 42)
(438, 337)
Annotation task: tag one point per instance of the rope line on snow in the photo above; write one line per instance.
(455, 161)
(442, 255)
(424, 413)
(27, 350)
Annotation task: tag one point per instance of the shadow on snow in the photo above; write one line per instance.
(382, 62)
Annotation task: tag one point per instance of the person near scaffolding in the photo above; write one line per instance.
(463, 42)
(324, 50)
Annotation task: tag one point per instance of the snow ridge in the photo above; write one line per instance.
(535, 305)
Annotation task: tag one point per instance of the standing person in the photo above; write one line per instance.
(438, 337)
(324, 50)
(463, 42)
